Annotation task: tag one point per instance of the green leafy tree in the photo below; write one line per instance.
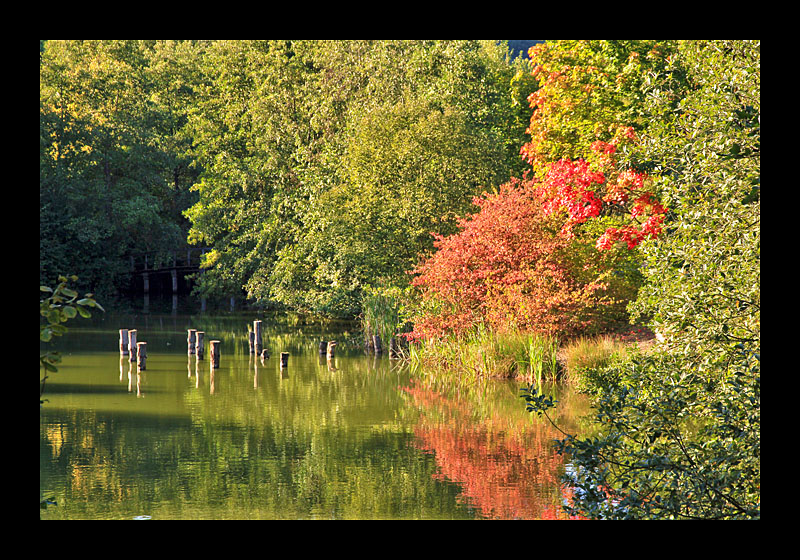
(679, 430)
(114, 173)
(328, 163)
(588, 91)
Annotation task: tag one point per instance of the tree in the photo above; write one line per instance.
(588, 91)
(508, 267)
(679, 430)
(327, 163)
(113, 167)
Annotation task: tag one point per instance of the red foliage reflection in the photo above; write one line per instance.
(506, 472)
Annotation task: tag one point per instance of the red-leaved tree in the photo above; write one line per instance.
(586, 189)
(508, 267)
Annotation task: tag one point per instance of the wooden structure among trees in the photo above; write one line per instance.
(179, 262)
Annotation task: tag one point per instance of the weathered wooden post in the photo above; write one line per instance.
(141, 356)
(146, 279)
(257, 334)
(123, 342)
(132, 344)
(323, 347)
(394, 349)
(284, 359)
(174, 281)
(376, 339)
(200, 347)
(215, 352)
(264, 354)
(190, 340)
(251, 337)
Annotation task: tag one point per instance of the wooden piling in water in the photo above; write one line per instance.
(251, 336)
(323, 347)
(215, 353)
(132, 348)
(123, 342)
(257, 331)
(376, 340)
(191, 340)
(200, 349)
(141, 356)
(284, 359)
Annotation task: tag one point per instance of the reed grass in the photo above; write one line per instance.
(590, 353)
(484, 354)
(380, 314)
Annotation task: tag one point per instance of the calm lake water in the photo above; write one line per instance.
(358, 437)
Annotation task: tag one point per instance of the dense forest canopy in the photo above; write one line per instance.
(311, 168)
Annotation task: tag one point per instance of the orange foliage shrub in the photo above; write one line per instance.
(508, 267)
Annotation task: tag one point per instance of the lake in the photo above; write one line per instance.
(356, 437)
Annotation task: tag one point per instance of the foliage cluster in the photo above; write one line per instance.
(508, 267)
(554, 252)
(327, 163)
(114, 175)
(61, 305)
(311, 168)
(679, 429)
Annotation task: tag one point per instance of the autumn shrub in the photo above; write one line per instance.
(508, 267)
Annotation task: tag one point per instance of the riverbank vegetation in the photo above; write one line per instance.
(506, 215)
(679, 426)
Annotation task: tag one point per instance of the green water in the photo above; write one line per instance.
(357, 437)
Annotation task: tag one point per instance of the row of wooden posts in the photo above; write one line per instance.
(129, 346)
(373, 343)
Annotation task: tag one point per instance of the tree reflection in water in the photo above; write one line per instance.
(508, 469)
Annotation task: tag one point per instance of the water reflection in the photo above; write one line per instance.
(346, 437)
(506, 464)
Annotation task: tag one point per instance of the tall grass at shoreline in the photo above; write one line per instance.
(484, 354)
(380, 314)
(584, 354)
(533, 358)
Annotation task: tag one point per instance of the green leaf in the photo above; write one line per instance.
(49, 367)
(45, 289)
(69, 292)
(54, 316)
(69, 312)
